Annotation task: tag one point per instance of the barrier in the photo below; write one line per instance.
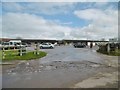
(22, 51)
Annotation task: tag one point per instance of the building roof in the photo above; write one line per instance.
(49, 40)
(5, 39)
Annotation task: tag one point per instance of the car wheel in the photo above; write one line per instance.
(41, 47)
(51, 47)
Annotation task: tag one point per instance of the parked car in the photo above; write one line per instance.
(46, 45)
(79, 45)
(11, 45)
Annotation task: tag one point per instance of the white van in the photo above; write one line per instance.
(12, 43)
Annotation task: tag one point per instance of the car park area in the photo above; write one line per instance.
(63, 67)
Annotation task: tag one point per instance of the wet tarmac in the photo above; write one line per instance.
(69, 53)
(61, 68)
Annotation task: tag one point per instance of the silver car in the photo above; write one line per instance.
(46, 45)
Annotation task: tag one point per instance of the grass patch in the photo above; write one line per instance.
(112, 53)
(14, 55)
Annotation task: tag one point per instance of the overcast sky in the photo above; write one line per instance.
(67, 20)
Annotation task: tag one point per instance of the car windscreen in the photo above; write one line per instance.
(44, 44)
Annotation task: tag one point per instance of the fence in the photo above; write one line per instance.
(22, 51)
(109, 48)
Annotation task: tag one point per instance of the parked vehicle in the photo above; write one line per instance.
(46, 45)
(79, 45)
(13, 44)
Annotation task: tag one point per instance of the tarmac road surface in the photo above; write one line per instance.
(61, 68)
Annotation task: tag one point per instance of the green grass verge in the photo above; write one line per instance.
(112, 53)
(13, 55)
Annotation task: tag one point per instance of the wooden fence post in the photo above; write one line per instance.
(20, 50)
(37, 48)
(3, 53)
(34, 49)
